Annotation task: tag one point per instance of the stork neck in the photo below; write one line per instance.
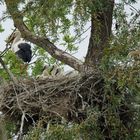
(16, 40)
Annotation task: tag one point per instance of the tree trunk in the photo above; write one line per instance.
(101, 23)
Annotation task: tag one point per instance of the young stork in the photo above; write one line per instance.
(56, 71)
(20, 47)
(45, 73)
(51, 72)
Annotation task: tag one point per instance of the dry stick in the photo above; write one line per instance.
(8, 72)
(22, 118)
(4, 51)
(21, 126)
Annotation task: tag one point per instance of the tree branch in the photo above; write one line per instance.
(8, 72)
(41, 41)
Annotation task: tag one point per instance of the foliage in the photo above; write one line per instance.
(1, 29)
(125, 39)
(87, 130)
(11, 129)
(65, 131)
(56, 17)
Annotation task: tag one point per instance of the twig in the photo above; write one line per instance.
(4, 51)
(132, 7)
(4, 17)
(8, 71)
(21, 126)
(82, 33)
(80, 40)
(22, 118)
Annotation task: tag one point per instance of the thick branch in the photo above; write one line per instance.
(41, 41)
(101, 23)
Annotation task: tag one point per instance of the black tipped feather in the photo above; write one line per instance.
(24, 52)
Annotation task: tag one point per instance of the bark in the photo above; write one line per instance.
(41, 41)
(101, 23)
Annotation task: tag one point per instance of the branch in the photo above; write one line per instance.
(8, 71)
(20, 135)
(4, 51)
(132, 7)
(41, 41)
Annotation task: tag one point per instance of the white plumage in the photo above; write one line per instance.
(51, 72)
(15, 47)
(45, 74)
(56, 71)
(71, 74)
(20, 47)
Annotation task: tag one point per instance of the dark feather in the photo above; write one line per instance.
(25, 52)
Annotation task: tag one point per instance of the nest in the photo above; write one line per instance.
(65, 98)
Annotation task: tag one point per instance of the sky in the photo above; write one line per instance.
(8, 26)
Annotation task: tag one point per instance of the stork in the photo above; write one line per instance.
(20, 47)
(51, 72)
(71, 74)
(56, 71)
(45, 73)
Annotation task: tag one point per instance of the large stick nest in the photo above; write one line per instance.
(62, 98)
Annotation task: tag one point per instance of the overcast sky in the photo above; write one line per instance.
(8, 26)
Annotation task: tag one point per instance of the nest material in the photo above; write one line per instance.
(62, 98)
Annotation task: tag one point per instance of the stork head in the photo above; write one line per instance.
(56, 71)
(46, 67)
(54, 67)
(49, 68)
(13, 36)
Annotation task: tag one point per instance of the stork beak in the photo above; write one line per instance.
(10, 38)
